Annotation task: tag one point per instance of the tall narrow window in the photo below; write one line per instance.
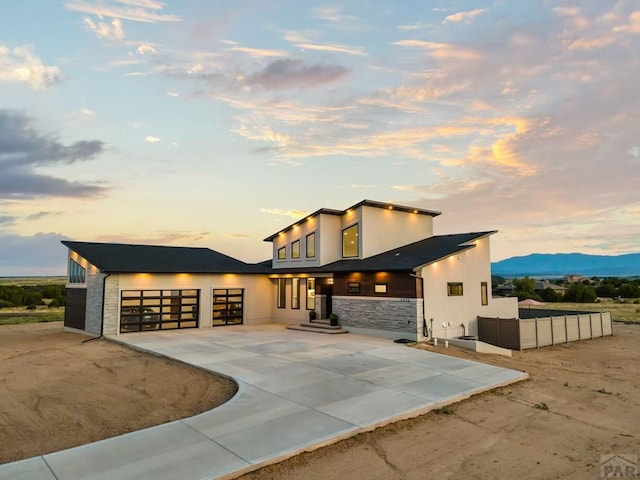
(295, 249)
(454, 289)
(282, 292)
(350, 241)
(295, 293)
(311, 245)
(484, 293)
(311, 293)
(77, 273)
(282, 253)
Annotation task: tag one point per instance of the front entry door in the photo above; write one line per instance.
(228, 306)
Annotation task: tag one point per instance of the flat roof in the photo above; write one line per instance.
(367, 203)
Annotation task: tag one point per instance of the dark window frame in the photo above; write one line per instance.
(282, 250)
(295, 293)
(77, 273)
(156, 309)
(311, 235)
(353, 287)
(295, 249)
(357, 243)
(484, 293)
(380, 284)
(311, 300)
(453, 288)
(232, 312)
(281, 292)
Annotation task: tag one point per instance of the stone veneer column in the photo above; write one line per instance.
(111, 303)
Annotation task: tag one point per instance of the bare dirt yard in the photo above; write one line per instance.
(582, 400)
(57, 392)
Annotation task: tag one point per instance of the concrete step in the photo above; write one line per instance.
(319, 325)
(321, 321)
(315, 329)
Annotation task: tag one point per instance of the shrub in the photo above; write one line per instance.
(31, 307)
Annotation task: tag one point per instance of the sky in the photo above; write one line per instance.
(217, 123)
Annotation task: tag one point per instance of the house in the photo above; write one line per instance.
(378, 266)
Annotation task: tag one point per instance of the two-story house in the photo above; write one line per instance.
(376, 265)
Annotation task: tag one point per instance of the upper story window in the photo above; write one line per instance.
(295, 249)
(311, 245)
(282, 253)
(350, 241)
(77, 273)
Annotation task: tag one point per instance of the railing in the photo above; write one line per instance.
(521, 334)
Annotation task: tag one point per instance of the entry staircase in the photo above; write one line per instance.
(319, 326)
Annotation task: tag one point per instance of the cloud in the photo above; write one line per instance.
(39, 215)
(151, 139)
(145, 49)
(23, 149)
(21, 65)
(134, 10)
(32, 255)
(173, 94)
(297, 214)
(300, 41)
(464, 16)
(288, 73)
(6, 219)
(259, 52)
(440, 50)
(111, 31)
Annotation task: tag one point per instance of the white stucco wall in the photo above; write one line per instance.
(287, 314)
(382, 229)
(471, 268)
(258, 291)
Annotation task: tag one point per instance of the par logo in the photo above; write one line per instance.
(619, 466)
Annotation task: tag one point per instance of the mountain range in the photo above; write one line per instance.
(560, 264)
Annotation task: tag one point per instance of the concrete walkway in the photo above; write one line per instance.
(297, 391)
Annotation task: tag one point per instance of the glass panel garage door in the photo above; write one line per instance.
(158, 309)
(228, 306)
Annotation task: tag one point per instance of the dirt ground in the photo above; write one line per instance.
(591, 390)
(57, 392)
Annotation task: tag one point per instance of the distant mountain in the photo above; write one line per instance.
(555, 264)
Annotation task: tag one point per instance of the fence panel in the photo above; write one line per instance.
(607, 324)
(545, 337)
(528, 334)
(584, 322)
(596, 325)
(573, 329)
(559, 330)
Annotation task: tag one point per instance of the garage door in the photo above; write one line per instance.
(158, 310)
(228, 306)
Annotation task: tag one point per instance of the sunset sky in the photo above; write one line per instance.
(216, 123)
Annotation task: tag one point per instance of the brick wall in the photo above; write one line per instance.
(390, 314)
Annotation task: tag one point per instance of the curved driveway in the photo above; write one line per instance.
(297, 391)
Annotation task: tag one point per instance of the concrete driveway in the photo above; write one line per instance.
(297, 391)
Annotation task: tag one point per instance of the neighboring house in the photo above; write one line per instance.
(376, 265)
(542, 285)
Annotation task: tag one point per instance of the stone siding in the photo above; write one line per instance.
(93, 312)
(111, 305)
(390, 314)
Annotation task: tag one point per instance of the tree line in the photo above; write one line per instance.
(587, 291)
(31, 295)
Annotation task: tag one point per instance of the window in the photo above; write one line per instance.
(282, 253)
(158, 309)
(295, 293)
(282, 292)
(484, 293)
(454, 289)
(380, 288)
(311, 245)
(350, 241)
(295, 249)
(77, 273)
(353, 287)
(311, 293)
